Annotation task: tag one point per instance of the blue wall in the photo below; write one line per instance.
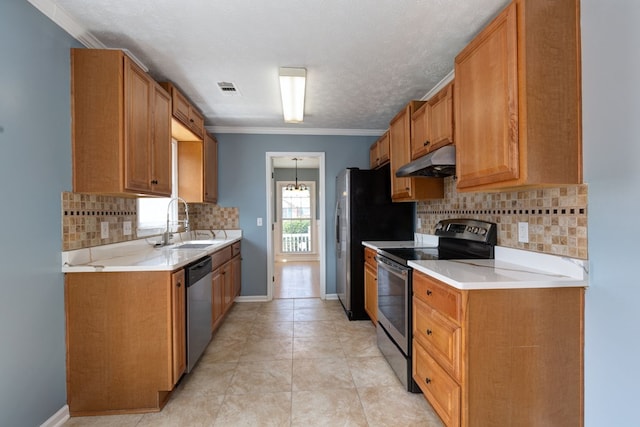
(611, 109)
(242, 184)
(35, 167)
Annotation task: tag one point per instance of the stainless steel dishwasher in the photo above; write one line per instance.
(198, 278)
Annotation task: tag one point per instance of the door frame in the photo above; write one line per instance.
(270, 181)
(314, 253)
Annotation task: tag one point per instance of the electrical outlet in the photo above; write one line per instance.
(104, 230)
(418, 223)
(523, 232)
(126, 228)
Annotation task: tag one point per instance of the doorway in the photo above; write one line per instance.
(296, 225)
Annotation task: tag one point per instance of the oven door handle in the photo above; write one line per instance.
(392, 266)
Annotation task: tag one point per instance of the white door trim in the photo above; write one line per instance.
(269, 156)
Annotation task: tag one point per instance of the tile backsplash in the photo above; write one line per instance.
(557, 216)
(82, 215)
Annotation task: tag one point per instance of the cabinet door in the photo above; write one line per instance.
(161, 142)
(420, 132)
(178, 313)
(236, 275)
(181, 106)
(441, 118)
(383, 148)
(210, 169)
(486, 133)
(228, 286)
(371, 293)
(373, 155)
(137, 120)
(196, 122)
(399, 136)
(217, 296)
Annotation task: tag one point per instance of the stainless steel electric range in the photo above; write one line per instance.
(457, 239)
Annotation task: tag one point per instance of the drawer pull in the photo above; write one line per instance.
(429, 292)
(427, 380)
(429, 331)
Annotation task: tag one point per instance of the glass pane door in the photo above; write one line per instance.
(296, 221)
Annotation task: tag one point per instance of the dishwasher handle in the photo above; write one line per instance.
(197, 270)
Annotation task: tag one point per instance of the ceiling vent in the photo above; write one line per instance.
(228, 89)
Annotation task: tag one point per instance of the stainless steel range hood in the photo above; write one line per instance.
(438, 163)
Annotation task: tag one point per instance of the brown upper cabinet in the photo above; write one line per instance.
(432, 123)
(408, 189)
(187, 123)
(379, 151)
(210, 169)
(517, 99)
(198, 170)
(121, 126)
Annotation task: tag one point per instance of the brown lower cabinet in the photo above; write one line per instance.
(225, 282)
(499, 357)
(125, 340)
(126, 334)
(371, 285)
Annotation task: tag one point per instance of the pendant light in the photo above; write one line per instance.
(297, 187)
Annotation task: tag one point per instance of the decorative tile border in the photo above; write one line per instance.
(83, 213)
(557, 216)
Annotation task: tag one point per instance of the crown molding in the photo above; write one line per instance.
(442, 83)
(295, 131)
(60, 17)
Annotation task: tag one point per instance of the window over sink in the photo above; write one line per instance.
(152, 211)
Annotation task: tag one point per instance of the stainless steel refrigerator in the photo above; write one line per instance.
(364, 211)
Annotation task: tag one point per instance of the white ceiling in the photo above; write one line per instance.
(365, 59)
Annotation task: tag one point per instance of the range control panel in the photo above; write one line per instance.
(468, 229)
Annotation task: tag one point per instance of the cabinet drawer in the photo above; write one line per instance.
(370, 257)
(443, 298)
(220, 257)
(235, 249)
(440, 336)
(442, 392)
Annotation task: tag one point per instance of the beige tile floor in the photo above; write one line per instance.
(288, 362)
(296, 279)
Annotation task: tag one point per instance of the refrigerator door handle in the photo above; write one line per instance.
(337, 220)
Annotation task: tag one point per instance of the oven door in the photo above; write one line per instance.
(394, 293)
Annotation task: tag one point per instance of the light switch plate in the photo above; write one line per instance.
(126, 228)
(259, 222)
(523, 232)
(104, 230)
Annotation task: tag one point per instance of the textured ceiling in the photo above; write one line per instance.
(365, 59)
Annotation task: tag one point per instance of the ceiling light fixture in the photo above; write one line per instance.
(298, 187)
(292, 86)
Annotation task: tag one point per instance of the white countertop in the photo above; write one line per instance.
(421, 241)
(511, 269)
(142, 255)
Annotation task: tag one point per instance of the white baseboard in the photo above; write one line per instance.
(58, 419)
(263, 298)
(255, 298)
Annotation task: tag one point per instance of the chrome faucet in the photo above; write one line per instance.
(165, 238)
